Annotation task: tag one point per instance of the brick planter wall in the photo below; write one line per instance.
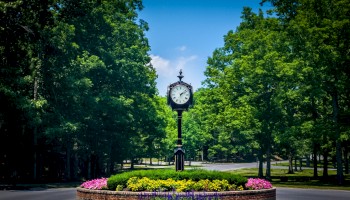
(86, 194)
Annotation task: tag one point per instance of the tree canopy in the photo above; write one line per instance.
(280, 84)
(77, 80)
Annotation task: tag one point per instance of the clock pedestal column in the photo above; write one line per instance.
(179, 152)
(180, 98)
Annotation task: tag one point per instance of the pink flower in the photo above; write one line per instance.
(95, 184)
(257, 184)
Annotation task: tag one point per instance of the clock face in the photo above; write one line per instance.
(180, 94)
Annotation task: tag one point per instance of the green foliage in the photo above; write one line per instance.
(169, 117)
(146, 184)
(318, 36)
(278, 84)
(77, 76)
(165, 174)
(247, 77)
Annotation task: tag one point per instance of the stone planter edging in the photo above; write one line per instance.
(86, 194)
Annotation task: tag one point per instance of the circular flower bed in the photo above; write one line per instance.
(138, 186)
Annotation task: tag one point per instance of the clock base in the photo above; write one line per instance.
(179, 159)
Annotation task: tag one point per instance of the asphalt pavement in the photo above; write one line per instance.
(70, 194)
(311, 194)
(39, 194)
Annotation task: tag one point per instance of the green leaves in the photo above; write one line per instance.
(78, 74)
(276, 80)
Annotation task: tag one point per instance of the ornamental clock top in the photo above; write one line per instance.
(180, 75)
(180, 94)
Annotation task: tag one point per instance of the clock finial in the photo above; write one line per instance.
(180, 76)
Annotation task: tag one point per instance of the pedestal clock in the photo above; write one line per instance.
(180, 98)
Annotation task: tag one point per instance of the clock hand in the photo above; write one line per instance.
(183, 92)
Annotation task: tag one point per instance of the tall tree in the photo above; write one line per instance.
(78, 77)
(22, 25)
(320, 34)
(258, 80)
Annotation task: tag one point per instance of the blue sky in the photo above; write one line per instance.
(184, 33)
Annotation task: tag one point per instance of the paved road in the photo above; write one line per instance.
(70, 194)
(311, 194)
(235, 166)
(226, 166)
(39, 194)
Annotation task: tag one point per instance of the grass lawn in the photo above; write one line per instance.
(319, 164)
(300, 179)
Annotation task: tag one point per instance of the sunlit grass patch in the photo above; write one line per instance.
(300, 179)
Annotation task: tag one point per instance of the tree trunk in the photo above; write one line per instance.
(300, 163)
(335, 105)
(268, 163)
(315, 145)
(35, 139)
(89, 168)
(111, 167)
(325, 163)
(68, 164)
(110, 161)
(314, 155)
(290, 161)
(132, 163)
(295, 164)
(340, 175)
(346, 159)
(308, 161)
(35, 144)
(75, 166)
(205, 153)
(168, 159)
(261, 162)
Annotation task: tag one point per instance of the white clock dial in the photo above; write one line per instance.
(180, 94)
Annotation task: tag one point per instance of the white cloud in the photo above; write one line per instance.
(167, 70)
(182, 62)
(161, 65)
(182, 48)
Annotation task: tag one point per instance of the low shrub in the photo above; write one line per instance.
(146, 184)
(196, 175)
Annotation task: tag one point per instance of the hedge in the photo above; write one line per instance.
(164, 174)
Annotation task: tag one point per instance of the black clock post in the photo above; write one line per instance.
(180, 98)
